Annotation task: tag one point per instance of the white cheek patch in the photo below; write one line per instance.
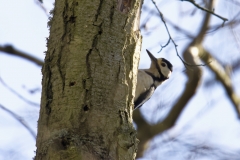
(169, 74)
(166, 72)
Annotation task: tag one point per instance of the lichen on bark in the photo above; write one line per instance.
(89, 79)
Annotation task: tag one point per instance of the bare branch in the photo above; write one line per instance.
(233, 23)
(40, 4)
(194, 76)
(164, 45)
(20, 119)
(171, 39)
(222, 77)
(17, 94)
(207, 10)
(12, 51)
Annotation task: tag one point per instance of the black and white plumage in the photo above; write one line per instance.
(149, 79)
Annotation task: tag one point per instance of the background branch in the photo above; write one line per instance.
(143, 136)
(41, 5)
(20, 119)
(169, 35)
(171, 39)
(222, 77)
(17, 94)
(12, 51)
(207, 10)
(194, 75)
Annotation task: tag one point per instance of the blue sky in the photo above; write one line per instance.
(24, 25)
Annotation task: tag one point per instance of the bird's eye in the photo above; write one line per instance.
(163, 64)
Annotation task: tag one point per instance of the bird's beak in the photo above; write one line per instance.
(153, 59)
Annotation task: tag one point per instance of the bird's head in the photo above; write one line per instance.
(161, 66)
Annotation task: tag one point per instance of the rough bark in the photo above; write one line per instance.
(89, 77)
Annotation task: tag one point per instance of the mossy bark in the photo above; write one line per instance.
(89, 78)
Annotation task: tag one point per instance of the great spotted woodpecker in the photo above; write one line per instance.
(149, 79)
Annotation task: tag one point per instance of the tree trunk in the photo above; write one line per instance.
(89, 79)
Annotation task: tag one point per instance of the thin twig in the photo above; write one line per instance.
(194, 78)
(164, 45)
(20, 119)
(211, 29)
(207, 10)
(19, 95)
(40, 4)
(171, 39)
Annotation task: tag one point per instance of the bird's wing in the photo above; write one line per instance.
(144, 97)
